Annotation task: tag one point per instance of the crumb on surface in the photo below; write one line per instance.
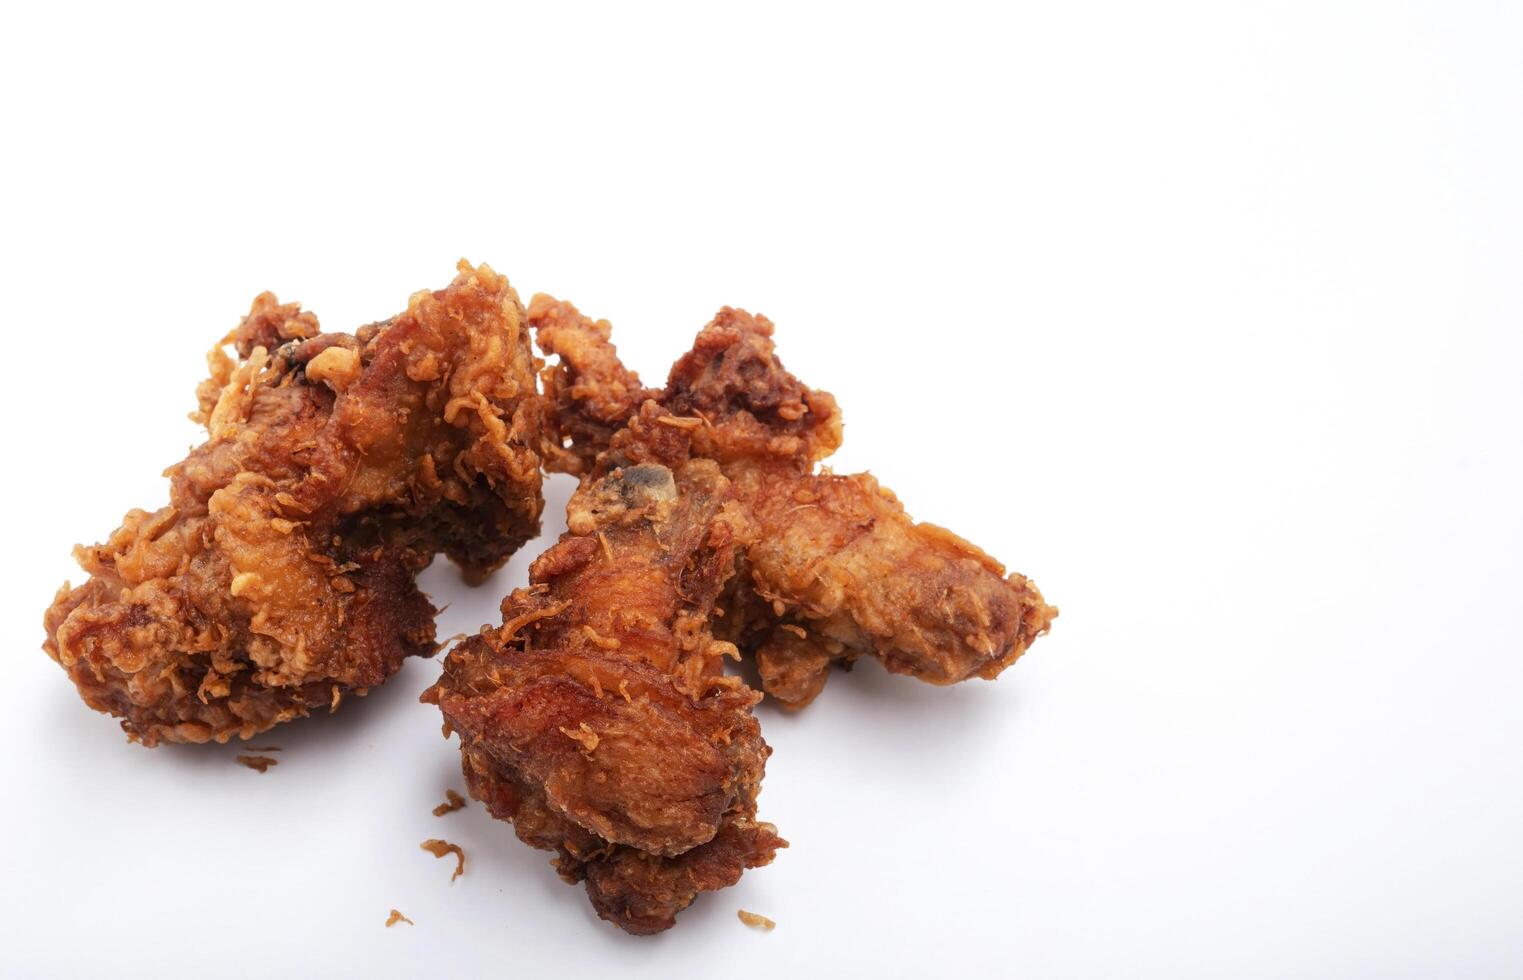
(583, 735)
(439, 848)
(756, 921)
(452, 802)
(263, 748)
(396, 917)
(336, 367)
(259, 763)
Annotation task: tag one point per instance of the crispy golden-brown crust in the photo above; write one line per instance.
(836, 569)
(840, 570)
(598, 718)
(280, 576)
(590, 393)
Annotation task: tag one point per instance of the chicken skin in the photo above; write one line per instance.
(836, 569)
(597, 718)
(280, 577)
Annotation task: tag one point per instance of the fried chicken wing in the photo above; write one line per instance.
(836, 569)
(598, 718)
(280, 577)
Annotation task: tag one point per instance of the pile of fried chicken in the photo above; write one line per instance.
(598, 717)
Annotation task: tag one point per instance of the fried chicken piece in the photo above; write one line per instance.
(598, 718)
(837, 569)
(280, 576)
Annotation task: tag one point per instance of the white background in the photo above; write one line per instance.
(1208, 320)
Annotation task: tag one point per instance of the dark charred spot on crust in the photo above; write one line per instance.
(646, 484)
(758, 376)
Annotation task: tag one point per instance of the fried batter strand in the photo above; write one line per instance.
(280, 576)
(836, 568)
(598, 718)
(452, 801)
(442, 848)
